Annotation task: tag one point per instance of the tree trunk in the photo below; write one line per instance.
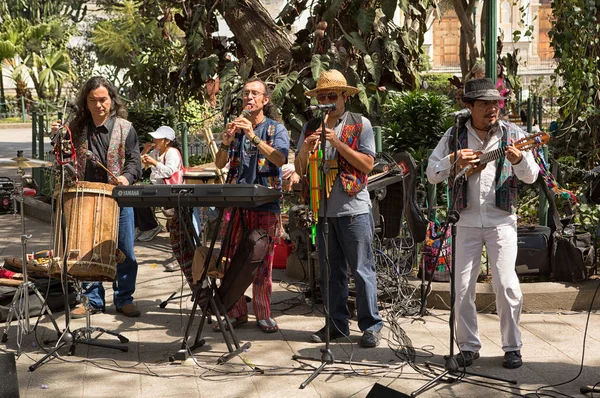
(249, 21)
(462, 53)
(464, 12)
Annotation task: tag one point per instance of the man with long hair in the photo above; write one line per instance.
(100, 125)
(256, 146)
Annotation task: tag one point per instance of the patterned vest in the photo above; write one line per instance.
(353, 180)
(267, 173)
(115, 158)
(506, 181)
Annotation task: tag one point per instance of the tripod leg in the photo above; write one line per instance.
(98, 344)
(313, 375)
(429, 384)
(46, 308)
(164, 303)
(9, 318)
(48, 355)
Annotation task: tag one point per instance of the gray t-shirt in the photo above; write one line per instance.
(339, 204)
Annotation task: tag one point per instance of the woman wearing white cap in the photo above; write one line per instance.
(164, 160)
(162, 166)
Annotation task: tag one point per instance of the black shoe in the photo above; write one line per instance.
(466, 358)
(370, 339)
(319, 337)
(512, 360)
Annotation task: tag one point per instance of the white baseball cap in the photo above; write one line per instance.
(164, 132)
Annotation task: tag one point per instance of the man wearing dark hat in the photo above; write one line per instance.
(350, 142)
(487, 202)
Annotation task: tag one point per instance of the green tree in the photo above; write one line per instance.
(38, 11)
(361, 39)
(146, 49)
(415, 120)
(7, 51)
(576, 41)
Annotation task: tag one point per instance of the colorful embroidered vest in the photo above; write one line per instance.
(115, 158)
(506, 181)
(267, 173)
(353, 180)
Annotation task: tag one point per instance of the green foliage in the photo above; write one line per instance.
(528, 210)
(146, 120)
(195, 160)
(37, 11)
(43, 48)
(438, 82)
(200, 115)
(148, 50)
(575, 38)
(415, 120)
(82, 66)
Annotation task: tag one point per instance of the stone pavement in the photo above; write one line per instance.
(552, 349)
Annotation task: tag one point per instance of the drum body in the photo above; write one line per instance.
(199, 177)
(92, 221)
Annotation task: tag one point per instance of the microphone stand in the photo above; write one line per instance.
(327, 357)
(451, 365)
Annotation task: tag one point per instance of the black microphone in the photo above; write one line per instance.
(462, 113)
(326, 107)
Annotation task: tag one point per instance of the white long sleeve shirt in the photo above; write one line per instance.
(481, 210)
(168, 163)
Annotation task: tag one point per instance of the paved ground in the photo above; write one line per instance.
(553, 343)
(553, 347)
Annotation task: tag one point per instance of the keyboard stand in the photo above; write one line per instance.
(205, 297)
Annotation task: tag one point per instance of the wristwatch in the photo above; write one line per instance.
(224, 147)
(256, 140)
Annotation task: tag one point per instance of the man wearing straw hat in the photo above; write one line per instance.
(487, 202)
(351, 142)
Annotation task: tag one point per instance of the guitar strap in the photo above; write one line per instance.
(506, 182)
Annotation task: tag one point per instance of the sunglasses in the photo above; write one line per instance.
(329, 96)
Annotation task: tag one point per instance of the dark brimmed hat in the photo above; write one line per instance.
(481, 89)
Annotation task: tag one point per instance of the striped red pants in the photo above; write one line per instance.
(262, 286)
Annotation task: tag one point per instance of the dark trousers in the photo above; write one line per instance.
(144, 218)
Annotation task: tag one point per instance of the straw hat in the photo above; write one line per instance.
(332, 80)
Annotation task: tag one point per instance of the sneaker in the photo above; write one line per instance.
(319, 336)
(512, 360)
(172, 266)
(370, 339)
(136, 233)
(466, 358)
(129, 310)
(147, 236)
(79, 312)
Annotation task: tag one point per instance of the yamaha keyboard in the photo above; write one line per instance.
(200, 195)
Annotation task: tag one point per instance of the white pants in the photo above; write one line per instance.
(501, 245)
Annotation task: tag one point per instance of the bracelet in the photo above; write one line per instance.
(224, 147)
